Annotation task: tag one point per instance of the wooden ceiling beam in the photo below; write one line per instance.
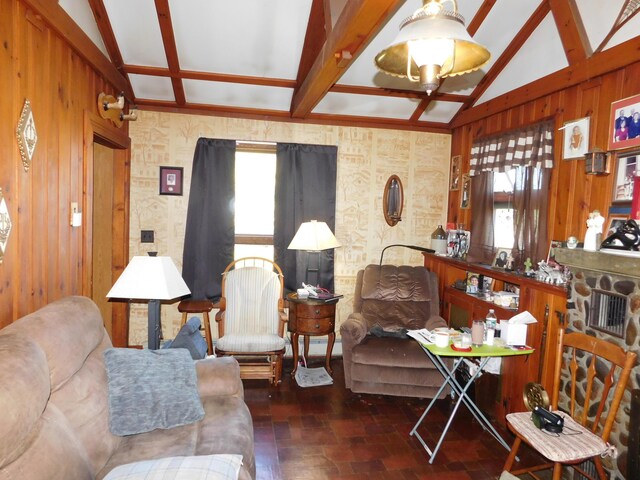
(211, 77)
(314, 38)
(599, 64)
(480, 16)
(359, 21)
(106, 32)
(282, 116)
(571, 29)
(170, 49)
(55, 16)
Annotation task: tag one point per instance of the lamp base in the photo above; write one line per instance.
(153, 325)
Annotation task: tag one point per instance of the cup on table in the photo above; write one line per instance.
(477, 333)
(441, 339)
(465, 340)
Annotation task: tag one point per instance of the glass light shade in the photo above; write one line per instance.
(150, 278)
(433, 51)
(314, 236)
(444, 30)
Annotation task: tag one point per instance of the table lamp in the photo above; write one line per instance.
(313, 237)
(154, 279)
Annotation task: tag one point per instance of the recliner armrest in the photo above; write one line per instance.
(218, 377)
(435, 321)
(354, 329)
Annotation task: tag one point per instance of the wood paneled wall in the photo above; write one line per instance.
(46, 258)
(573, 193)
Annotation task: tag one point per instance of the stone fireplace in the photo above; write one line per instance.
(604, 301)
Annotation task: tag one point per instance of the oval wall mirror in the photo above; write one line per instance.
(393, 200)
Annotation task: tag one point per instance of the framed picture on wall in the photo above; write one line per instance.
(455, 173)
(626, 166)
(171, 180)
(624, 129)
(576, 138)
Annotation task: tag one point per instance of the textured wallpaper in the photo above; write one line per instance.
(366, 159)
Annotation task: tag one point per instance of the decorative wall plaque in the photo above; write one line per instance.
(27, 135)
(5, 225)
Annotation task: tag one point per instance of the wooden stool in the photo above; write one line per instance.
(198, 306)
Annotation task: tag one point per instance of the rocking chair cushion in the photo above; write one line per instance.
(575, 443)
(235, 342)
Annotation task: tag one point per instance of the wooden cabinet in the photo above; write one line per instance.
(547, 303)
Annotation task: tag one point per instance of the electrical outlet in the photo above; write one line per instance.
(146, 236)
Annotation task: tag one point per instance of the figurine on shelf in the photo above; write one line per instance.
(594, 231)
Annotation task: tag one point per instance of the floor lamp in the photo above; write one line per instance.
(154, 279)
(313, 237)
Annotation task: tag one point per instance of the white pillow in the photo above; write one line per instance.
(200, 467)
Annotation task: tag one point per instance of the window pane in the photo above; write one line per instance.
(503, 228)
(255, 188)
(245, 250)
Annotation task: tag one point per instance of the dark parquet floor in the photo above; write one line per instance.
(331, 433)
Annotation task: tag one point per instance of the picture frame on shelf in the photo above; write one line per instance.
(624, 127)
(171, 180)
(465, 197)
(454, 180)
(501, 259)
(576, 138)
(473, 283)
(551, 256)
(626, 166)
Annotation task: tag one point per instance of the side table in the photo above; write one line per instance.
(311, 318)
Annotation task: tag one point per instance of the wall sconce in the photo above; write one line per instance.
(596, 162)
(112, 108)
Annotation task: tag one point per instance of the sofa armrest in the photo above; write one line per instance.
(354, 329)
(435, 321)
(219, 376)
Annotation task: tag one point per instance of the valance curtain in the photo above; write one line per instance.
(305, 190)
(210, 230)
(531, 146)
(530, 151)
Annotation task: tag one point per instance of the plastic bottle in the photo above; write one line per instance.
(491, 322)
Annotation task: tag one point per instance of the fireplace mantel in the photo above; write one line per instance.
(607, 263)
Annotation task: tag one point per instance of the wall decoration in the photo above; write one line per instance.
(5, 226)
(624, 129)
(465, 198)
(171, 180)
(454, 179)
(27, 135)
(626, 166)
(576, 138)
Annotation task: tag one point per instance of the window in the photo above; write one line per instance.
(503, 186)
(255, 183)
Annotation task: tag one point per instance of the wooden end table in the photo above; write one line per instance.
(311, 318)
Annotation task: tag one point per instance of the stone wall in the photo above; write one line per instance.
(582, 286)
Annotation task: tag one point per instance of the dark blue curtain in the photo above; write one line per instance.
(210, 231)
(305, 190)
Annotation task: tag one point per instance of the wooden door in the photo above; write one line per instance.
(102, 239)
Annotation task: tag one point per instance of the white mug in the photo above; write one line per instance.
(441, 339)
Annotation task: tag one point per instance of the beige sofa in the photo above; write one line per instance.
(387, 301)
(54, 403)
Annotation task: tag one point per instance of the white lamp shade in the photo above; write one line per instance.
(150, 278)
(314, 236)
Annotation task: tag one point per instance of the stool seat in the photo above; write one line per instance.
(198, 306)
(195, 306)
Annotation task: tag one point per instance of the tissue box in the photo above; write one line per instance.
(513, 333)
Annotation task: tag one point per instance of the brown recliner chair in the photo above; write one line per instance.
(377, 357)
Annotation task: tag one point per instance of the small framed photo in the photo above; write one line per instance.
(465, 198)
(615, 222)
(624, 128)
(473, 282)
(171, 180)
(551, 256)
(626, 166)
(576, 138)
(455, 173)
(502, 258)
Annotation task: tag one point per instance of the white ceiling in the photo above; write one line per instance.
(243, 56)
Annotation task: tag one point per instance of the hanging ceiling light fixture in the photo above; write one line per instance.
(433, 43)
